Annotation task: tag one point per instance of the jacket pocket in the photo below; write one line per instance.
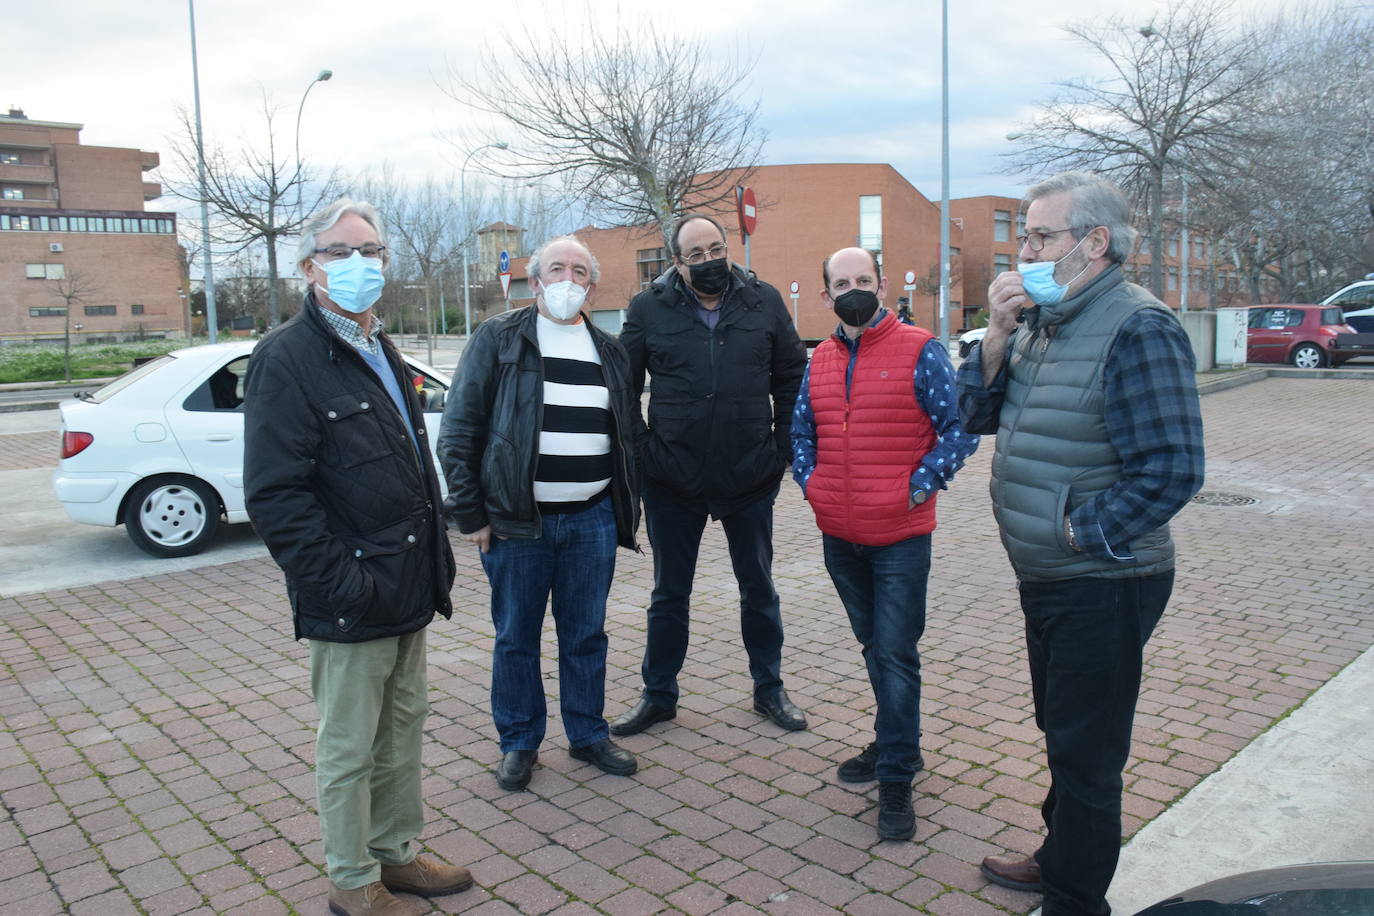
(397, 568)
(354, 431)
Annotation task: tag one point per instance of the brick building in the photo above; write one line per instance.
(72, 220)
(805, 213)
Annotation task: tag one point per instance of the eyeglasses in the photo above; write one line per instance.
(714, 253)
(338, 252)
(1036, 240)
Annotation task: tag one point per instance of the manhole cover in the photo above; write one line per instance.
(1206, 498)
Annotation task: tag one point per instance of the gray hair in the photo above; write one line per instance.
(535, 263)
(1093, 201)
(322, 220)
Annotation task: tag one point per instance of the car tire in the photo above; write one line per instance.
(1308, 356)
(172, 516)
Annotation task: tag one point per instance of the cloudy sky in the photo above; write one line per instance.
(836, 81)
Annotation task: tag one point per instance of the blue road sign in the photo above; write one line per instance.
(505, 261)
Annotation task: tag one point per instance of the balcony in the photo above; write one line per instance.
(151, 190)
(18, 173)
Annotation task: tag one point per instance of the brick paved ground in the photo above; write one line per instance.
(158, 733)
(28, 450)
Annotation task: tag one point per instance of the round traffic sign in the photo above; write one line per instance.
(795, 287)
(911, 276)
(748, 211)
(505, 261)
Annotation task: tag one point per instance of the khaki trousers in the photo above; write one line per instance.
(372, 703)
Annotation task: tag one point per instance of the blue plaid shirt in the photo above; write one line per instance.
(1154, 422)
(935, 392)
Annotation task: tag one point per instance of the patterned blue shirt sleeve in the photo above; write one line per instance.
(937, 394)
(803, 434)
(1154, 422)
(980, 405)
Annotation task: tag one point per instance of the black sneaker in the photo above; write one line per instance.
(896, 820)
(862, 768)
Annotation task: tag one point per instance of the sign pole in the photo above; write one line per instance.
(795, 289)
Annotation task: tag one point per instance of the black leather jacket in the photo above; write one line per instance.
(720, 407)
(488, 444)
(334, 484)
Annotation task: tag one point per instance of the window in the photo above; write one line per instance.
(1001, 225)
(13, 194)
(651, 262)
(50, 311)
(136, 309)
(8, 158)
(871, 222)
(1001, 263)
(1173, 278)
(100, 310)
(223, 390)
(1173, 246)
(45, 271)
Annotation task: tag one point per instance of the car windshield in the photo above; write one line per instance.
(127, 379)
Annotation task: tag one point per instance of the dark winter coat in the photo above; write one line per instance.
(489, 441)
(720, 402)
(346, 503)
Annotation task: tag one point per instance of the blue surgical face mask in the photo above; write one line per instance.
(355, 282)
(1037, 277)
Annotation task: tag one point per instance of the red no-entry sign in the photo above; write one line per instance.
(748, 211)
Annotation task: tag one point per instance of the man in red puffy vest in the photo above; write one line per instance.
(875, 435)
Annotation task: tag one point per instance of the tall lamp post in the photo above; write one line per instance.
(321, 77)
(944, 174)
(462, 209)
(204, 202)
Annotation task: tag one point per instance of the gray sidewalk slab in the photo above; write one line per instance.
(1301, 792)
(157, 737)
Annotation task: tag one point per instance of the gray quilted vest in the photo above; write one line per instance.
(1053, 454)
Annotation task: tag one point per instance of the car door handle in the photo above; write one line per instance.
(220, 437)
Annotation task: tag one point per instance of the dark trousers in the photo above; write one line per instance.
(675, 536)
(1085, 639)
(883, 590)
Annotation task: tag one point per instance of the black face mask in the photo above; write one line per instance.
(857, 307)
(711, 277)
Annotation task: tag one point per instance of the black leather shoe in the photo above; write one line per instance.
(515, 769)
(896, 819)
(606, 757)
(781, 710)
(640, 716)
(863, 768)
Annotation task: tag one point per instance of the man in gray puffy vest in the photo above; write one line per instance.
(1088, 382)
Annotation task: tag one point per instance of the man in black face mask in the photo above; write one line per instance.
(875, 436)
(726, 362)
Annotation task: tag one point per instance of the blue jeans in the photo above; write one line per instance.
(883, 590)
(675, 535)
(1085, 640)
(574, 559)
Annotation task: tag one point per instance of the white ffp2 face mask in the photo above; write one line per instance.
(564, 299)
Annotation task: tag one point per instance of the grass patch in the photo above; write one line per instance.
(43, 363)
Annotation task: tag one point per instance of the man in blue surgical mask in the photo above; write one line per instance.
(1088, 382)
(341, 485)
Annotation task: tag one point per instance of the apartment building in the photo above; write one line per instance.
(73, 230)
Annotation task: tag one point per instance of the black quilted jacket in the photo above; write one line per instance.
(347, 505)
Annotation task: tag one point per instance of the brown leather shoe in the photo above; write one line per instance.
(1020, 873)
(369, 900)
(426, 876)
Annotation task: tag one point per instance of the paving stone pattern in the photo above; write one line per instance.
(158, 733)
(19, 451)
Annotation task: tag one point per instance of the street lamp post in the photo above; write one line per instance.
(204, 202)
(944, 174)
(462, 209)
(321, 77)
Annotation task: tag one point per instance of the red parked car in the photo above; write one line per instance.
(1303, 335)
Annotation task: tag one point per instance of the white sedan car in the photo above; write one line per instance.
(160, 449)
(968, 339)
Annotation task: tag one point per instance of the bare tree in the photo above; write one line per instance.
(1181, 99)
(257, 192)
(72, 287)
(631, 121)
